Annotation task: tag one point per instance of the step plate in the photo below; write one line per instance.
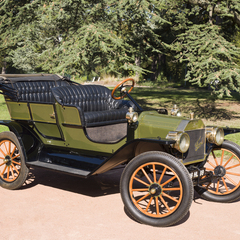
(59, 168)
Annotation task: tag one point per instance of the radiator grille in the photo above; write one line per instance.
(197, 145)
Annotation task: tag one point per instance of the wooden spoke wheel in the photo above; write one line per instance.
(156, 189)
(13, 171)
(224, 162)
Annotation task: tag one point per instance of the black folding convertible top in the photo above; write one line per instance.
(6, 78)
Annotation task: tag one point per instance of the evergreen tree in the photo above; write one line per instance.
(204, 41)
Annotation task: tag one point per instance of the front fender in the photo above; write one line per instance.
(230, 130)
(129, 151)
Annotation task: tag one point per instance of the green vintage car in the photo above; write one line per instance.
(86, 130)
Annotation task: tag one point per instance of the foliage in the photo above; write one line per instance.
(211, 59)
(153, 39)
(204, 41)
(79, 36)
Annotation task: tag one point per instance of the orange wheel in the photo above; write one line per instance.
(122, 85)
(156, 189)
(13, 171)
(224, 162)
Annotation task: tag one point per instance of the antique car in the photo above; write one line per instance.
(86, 130)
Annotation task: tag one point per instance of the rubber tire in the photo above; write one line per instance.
(18, 182)
(182, 173)
(231, 146)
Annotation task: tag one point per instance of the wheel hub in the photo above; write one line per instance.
(219, 171)
(155, 190)
(8, 160)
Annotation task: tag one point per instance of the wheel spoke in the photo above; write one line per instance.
(139, 190)
(2, 164)
(171, 189)
(139, 180)
(149, 203)
(209, 169)
(233, 166)
(235, 174)
(4, 154)
(164, 203)
(221, 162)
(228, 161)
(215, 159)
(12, 172)
(16, 156)
(3, 171)
(169, 180)
(13, 150)
(142, 198)
(230, 180)
(8, 172)
(170, 197)
(157, 205)
(18, 163)
(225, 185)
(161, 177)
(154, 173)
(217, 189)
(150, 181)
(6, 147)
(211, 164)
(9, 152)
(15, 169)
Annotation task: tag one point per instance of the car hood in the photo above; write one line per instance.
(151, 124)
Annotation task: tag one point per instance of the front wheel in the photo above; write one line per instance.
(224, 163)
(13, 170)
(156, 189)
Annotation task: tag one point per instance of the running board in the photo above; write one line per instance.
(59, 168)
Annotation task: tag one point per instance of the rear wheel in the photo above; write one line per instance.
(224, 162)
(156, 189)
(13, 170)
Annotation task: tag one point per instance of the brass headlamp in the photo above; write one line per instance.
(215, 135)
(182, 141)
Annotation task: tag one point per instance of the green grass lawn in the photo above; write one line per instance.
(218, 113)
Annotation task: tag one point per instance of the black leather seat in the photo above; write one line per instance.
(95, 104)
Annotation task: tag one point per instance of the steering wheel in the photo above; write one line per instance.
(121, 85)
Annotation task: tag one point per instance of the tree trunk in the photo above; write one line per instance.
(153, 69)
(159, 65)
(138, 63)
(4, 67)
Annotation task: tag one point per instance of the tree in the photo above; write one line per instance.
(89, 35)
(204, 41)
(211, 59)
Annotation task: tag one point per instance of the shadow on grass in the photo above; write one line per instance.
(208, 109)
(188, 101)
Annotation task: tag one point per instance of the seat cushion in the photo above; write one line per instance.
(105, 117)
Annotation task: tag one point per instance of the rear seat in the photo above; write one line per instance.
(36, 91)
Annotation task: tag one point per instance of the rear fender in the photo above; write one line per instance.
(28, 140)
